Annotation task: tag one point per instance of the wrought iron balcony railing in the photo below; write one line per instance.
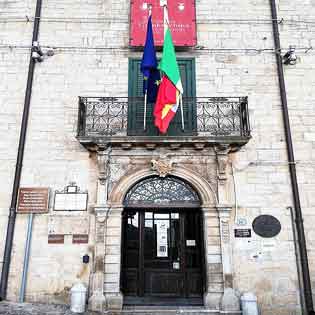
(213, 116)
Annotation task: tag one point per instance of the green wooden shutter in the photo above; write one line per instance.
(136, 102)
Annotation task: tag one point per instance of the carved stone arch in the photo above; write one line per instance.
(215, 219)
(166, 191)
(204, 189)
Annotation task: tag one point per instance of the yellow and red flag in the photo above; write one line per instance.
(170, 88)
(166, 104)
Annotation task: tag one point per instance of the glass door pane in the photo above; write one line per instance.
(130, 270)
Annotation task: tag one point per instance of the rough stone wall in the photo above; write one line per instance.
(261, 172)
(260, 168)
(53, 157)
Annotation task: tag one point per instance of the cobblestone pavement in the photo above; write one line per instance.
(9, 308)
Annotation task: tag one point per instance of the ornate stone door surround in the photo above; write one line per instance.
(105, 288)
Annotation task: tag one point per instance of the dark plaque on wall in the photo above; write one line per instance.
(242, 232)
(266, 226)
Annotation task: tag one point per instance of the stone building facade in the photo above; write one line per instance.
(236, 179)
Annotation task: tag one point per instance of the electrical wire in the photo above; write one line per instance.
(96, 20)
(198, 49)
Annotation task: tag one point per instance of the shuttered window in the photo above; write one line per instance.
(136, 102)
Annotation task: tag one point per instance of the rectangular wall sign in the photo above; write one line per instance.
(190, 242)
(33, 200)
(70, 202)
(56, 239)
(242, 232)
(161, 238)
(182, 20)
(80, 239)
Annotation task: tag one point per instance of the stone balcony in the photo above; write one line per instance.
(118, 121)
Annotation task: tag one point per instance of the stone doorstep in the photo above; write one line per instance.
(169, 310)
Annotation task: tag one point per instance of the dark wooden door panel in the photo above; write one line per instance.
(194, 284)
(162, 254)
(130, 282)
(164, 284)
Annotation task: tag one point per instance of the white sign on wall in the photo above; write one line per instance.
(71, 199)
(161, 239)
(70, 202)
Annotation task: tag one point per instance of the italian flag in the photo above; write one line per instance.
(170, 88)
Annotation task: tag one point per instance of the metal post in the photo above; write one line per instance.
(146, 90)
(145, 109)
(26, 256)
(19, 162)
(182, 111)
(298, 260)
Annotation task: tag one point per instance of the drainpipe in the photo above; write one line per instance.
(295, 189)
(19, 162)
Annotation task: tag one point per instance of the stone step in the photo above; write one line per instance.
(170, 310)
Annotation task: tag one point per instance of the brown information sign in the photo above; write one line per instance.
(33, 200)
(80, 238)
(56, 239)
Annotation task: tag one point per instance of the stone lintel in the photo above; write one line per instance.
(96, 143)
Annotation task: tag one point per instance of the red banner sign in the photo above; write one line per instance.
(80, 238)
(56, 239)
(182, 19)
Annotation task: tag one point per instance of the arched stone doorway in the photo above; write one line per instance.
(108, 254)
(162, 243)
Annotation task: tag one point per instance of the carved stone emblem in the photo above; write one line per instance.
(102, 162)
(222, 160)
(162, 167)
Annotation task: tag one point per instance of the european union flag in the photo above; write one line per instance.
(151, 74)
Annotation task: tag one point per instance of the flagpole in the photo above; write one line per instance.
(146, 90)
(145, 109)
(165, 16)
(182, 111)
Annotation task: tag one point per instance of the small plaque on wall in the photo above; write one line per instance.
(190, 242)
(56, 239)
(80, 238)
(242, 232)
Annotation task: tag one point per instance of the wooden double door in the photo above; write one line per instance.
(162, 257)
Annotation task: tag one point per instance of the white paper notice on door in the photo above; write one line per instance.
(161, 239)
